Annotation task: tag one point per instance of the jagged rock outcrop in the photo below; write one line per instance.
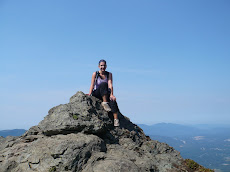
(79, 136)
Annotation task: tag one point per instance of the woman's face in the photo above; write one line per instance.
(102, 66)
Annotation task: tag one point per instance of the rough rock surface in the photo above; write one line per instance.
(79, 136)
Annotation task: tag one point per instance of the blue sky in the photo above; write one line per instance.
(170, 59)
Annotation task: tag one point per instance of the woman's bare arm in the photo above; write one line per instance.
(110, 82)
(110, 85)
(92, 83)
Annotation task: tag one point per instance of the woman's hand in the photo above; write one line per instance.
(112, 98)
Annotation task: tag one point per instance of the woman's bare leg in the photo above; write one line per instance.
(104, 98)
(116, 120)
(115, 115)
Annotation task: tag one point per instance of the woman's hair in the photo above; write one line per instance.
(102, 60)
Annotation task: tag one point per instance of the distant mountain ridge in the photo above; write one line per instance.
(13, 132)
(167, 129)
(209, 145)
(172, 130)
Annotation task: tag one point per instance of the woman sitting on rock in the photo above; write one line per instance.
(102, 88)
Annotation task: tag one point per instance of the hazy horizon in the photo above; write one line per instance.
(209, 126)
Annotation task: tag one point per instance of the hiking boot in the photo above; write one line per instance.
(106, 106)
(116, 123)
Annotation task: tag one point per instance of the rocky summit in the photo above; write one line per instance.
(80, 137)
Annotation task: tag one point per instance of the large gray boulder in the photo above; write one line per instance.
(79, 136)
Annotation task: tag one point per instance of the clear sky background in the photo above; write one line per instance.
(170, 59)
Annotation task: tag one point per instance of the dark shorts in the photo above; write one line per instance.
(104, 90)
